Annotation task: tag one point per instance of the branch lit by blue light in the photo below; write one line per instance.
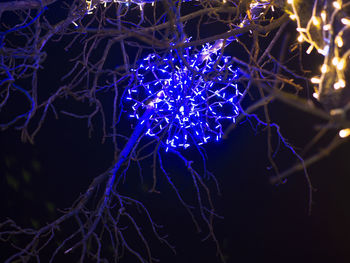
(189, 104)
(91, 4)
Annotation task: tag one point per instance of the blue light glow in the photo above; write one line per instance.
(190, 105)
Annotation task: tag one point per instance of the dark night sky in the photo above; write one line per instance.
(262, 222)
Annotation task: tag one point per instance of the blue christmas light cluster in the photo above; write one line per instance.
(189, 105)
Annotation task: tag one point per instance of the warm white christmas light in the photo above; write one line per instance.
(341, 64)
(336, 5)
(315, 80)
(345, 21)
(344, 133)
(339, 41)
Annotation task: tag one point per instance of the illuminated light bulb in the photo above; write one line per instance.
(224, 1)
(300, 29)
(336, 5)
(339, 41)
(315, 95)
(315, 21)
(341, 64)
(340, 84)
(293, 17)
(315, 80)
(323, 15)
(326, 49)
(308, 51)
(88, 3)
(335, 61)
(323, 51)
(324, 68)
(300, 38)
(345, 21)
(336, 86)
(290, 2)
(344, 133)
(326, 27)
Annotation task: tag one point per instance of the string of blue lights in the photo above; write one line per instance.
(190, 104)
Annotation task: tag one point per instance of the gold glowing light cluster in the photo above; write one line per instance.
(323, 22)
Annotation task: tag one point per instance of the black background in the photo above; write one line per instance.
(262, 222)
